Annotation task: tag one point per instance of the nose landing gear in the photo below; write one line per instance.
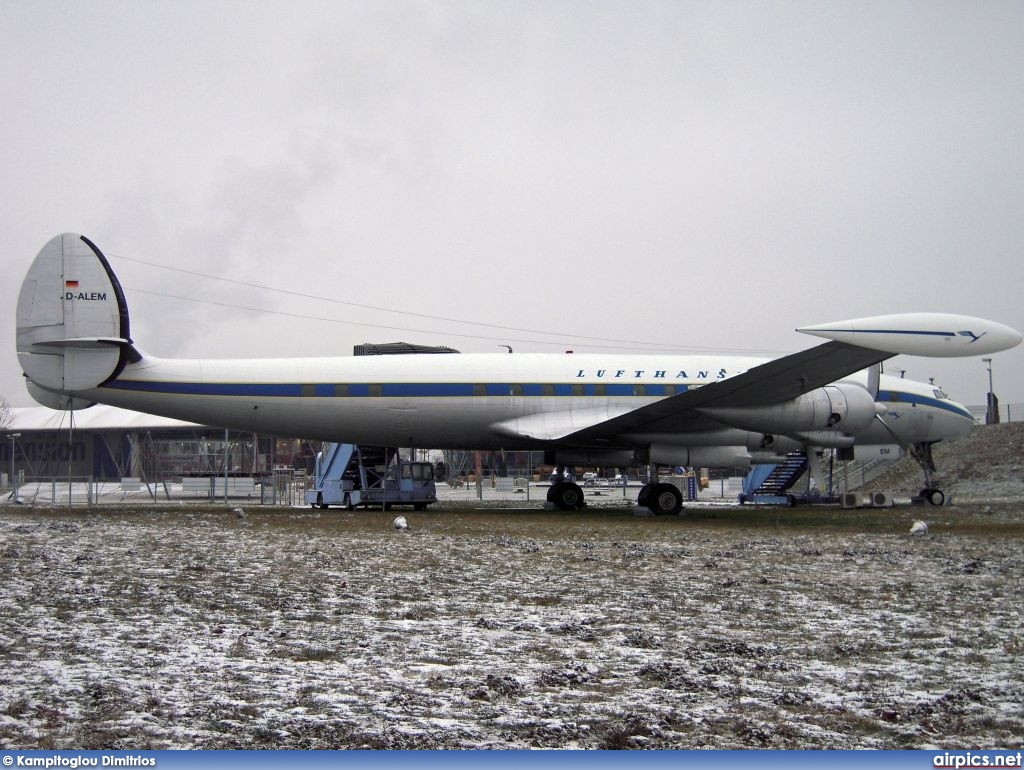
(922, 453)
(933, 496)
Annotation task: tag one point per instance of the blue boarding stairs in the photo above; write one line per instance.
(770, 483)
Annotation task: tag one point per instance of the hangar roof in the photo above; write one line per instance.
(98, 417)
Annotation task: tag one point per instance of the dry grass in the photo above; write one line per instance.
(725, 628)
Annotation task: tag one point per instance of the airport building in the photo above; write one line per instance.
(108, 444)
(105, 443)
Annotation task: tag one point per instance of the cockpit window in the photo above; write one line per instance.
(940, 394)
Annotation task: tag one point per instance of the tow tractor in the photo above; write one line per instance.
(349, 475)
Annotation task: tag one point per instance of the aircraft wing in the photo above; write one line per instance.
(779, 380)
(854, 345)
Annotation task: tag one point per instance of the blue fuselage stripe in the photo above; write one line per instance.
(892, 331)
(901, 397)
(395, 389)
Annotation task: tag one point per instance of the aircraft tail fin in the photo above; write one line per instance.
(73, 331)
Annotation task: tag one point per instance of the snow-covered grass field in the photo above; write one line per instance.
(153, 628)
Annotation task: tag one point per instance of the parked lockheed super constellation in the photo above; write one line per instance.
(75, 348)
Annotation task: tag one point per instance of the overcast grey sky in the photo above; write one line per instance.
(689, 174)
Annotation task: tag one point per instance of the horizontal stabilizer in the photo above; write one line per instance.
(940, 335)
(56, 401)
(85, 343)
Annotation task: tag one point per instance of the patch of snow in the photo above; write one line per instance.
(184, 630)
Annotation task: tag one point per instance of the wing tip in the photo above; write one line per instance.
(943, 335)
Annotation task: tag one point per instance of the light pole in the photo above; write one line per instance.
(991, 409)
(13, 436)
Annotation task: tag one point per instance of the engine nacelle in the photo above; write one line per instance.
(755, 441)
(699, 456)
(772, 444)
(766, 458)
(826, 438)
(845, 407)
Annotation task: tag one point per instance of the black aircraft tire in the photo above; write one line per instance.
(936, 496)
(664, 499)
(643, 498)
(567, 496)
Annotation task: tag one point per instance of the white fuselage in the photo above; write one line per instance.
(466, 400)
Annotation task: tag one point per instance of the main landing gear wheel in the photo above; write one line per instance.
(933, 496)
(660, 498)
(566, 496)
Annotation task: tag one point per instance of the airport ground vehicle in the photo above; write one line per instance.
(349, 475)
